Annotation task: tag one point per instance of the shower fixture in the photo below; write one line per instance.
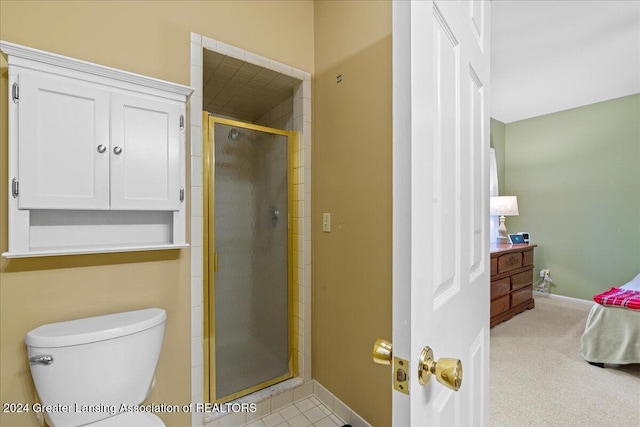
(234, 135)
(275, 214)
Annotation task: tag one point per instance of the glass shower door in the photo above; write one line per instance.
(251, 292)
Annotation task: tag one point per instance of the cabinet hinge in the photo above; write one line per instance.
(15, 92)
(15, 187)
(181, 122)
(181, 194)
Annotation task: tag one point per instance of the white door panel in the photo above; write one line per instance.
(477, 173)
(440, 205)
(446, 187)
(145, 154)
(62, 122)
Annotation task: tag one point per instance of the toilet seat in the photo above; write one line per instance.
(129, 419)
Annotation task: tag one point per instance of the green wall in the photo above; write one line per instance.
(498, 143)
(577, 177)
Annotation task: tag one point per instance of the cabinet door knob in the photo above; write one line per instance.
(117, 150)
(101, 148)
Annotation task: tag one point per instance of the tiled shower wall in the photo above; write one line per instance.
(301, 122)
(281, 117)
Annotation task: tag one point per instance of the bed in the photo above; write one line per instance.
(612, 334)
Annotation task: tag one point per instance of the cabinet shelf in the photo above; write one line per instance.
(91, 250)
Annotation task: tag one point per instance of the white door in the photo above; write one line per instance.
(63, 126)
(145, 154)
(440, 205)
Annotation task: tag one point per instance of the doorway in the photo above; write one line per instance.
(211, 60)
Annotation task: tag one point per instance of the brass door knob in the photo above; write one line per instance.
(382, 352)
(447, 371)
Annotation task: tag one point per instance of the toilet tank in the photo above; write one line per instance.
(97, 364)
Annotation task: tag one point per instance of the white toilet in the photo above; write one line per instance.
(85, 370)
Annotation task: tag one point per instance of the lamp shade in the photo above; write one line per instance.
(503, 205)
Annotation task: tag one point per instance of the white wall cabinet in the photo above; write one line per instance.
(61, 125)
(144, 152)
(96, 157)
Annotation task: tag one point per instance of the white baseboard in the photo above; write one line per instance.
(562, 297)
(340, 409)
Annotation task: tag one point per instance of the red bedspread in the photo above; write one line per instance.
(620, 298)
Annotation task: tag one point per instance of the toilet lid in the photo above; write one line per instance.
(128, 419)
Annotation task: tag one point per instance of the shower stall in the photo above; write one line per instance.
(248, 243)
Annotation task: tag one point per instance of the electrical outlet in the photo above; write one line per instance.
(544, 272)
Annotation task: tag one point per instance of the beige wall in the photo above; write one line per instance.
(151, 38)
(352, 181)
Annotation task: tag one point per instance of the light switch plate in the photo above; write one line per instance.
(326, 222)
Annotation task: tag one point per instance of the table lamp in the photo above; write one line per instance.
(503, 206)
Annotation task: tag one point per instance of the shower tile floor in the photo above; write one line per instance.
(304, 413)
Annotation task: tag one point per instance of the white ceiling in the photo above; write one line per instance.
(549, 56)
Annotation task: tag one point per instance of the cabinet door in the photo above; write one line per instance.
(63, 131)
(145, 155)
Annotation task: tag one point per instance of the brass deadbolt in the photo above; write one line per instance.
(382, 352)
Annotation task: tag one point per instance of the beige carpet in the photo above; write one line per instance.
(538, 377)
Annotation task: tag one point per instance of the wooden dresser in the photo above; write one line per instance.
(511, 280)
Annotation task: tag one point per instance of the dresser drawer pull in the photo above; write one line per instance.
(521, 296)
(527, 258)
(500, 287)
(499, 305)
(509, 262)
(521, 280)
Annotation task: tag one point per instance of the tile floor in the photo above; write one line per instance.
(308, 412)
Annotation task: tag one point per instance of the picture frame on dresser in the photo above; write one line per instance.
(516, 238)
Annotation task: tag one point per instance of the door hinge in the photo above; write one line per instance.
(15, 187)
(15, 92)
(181, 194)
(181, 122)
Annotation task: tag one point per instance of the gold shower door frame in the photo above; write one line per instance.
(209, 261)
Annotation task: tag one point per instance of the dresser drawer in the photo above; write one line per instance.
(522, 295)
(499, 305)
(521, 280)
(500, 287)
(494, 266)
(527, 258)
(509, 262)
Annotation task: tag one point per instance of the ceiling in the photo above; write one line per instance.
(549, 56)
(243, 91)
